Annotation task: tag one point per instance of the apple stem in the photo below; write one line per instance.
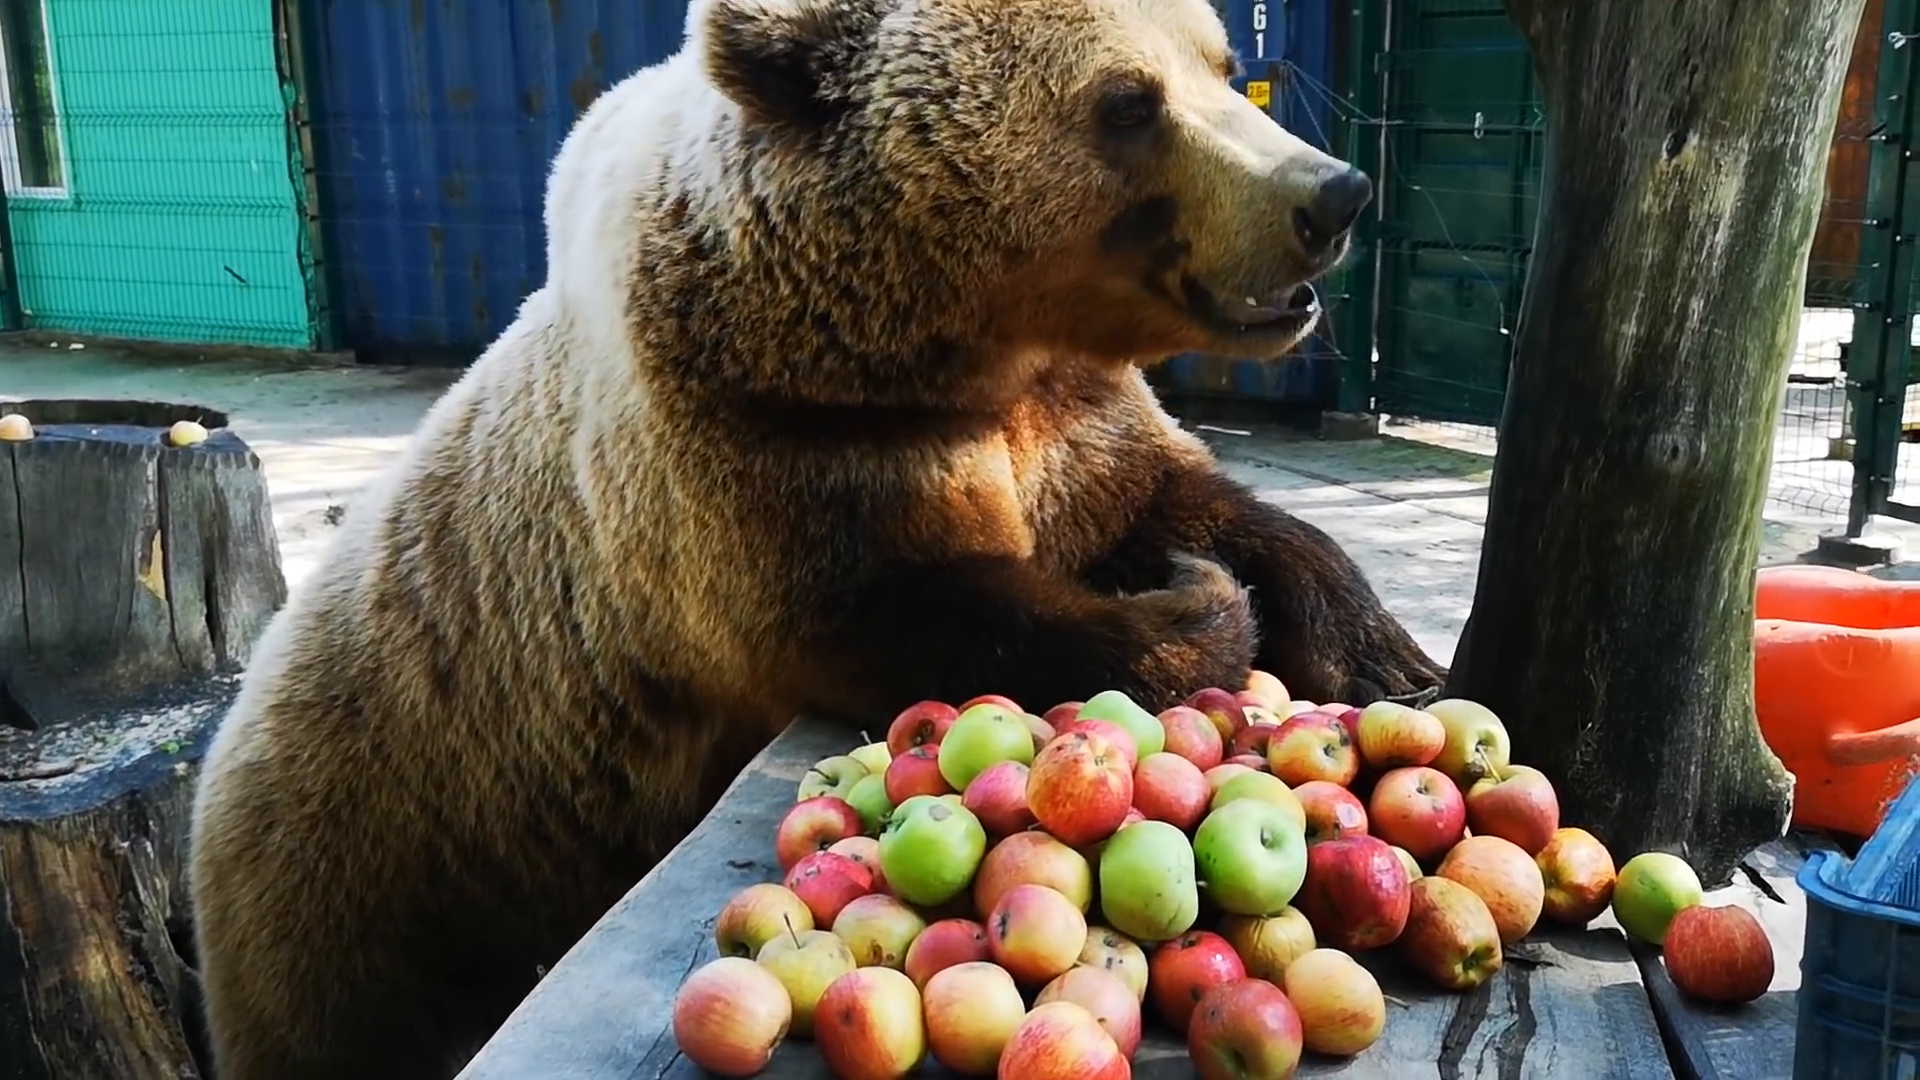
(865, 739)
(788, 919)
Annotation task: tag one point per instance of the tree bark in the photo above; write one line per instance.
(134, 579)
(1612, 624)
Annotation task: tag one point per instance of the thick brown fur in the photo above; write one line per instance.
(829, 404)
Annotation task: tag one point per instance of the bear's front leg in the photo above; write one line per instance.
(953, 629)
(1322, 628)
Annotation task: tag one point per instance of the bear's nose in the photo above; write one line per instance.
(1334, 209)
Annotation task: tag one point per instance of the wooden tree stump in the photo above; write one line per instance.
(135, 577)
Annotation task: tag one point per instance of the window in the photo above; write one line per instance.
(36, 160)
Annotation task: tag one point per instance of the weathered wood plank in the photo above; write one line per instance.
(1755, 1041)
(1568, 1004)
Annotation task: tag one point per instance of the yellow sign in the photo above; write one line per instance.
(1260, 92)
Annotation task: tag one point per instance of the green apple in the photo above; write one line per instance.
(1259, 787)
(1477, 742)
(1115, 707)
(869, 799)
(831, 776)
(1251, 857)
(875, 756)
(1147, 888)
(930, 849)
(1650, 890)
(983, 735)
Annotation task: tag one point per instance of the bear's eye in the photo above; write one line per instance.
(1129, 108)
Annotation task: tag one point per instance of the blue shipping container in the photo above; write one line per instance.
(1287, 48)
(435, 122)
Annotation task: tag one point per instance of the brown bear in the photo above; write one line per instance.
(830, 403)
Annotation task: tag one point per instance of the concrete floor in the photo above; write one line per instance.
(1411, 512)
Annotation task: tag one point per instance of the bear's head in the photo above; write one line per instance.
(953, 194)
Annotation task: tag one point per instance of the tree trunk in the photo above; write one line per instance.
(1612, 625)
(134, 578)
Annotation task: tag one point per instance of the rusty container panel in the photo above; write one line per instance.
(1833, 263)
(434, 124)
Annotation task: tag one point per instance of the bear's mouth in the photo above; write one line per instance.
(1279, 315)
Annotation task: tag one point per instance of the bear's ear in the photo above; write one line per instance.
(783, 61)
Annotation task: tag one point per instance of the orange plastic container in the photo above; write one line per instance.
(1837, 689)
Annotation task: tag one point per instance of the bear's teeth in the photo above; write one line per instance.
(1251, 302)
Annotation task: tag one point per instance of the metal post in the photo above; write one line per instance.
(1883, 311)
(1367, 22)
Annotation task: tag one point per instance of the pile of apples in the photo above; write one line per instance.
(1015, 895)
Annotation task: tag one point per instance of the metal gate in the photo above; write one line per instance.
(1885, 404)
(1450, 122)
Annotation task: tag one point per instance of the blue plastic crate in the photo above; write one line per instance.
(1859, 1004)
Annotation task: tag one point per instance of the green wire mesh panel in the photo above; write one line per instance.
(1461, 168)
(151, 176)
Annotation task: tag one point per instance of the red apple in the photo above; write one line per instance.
(1719, 954)
(1450, 937)
(1248, 761)
(916, 772)
(1032, 858)
(755, 915)
(812, 825)
(972, 1011)
(1577, 871)
(1332, 811)
(1191, 734)
(944, 944)
(1313, 746)
(922, 724)
(1224, 772)
(826, 882)
(1062, 1041)
(1181, 971)
(1254, 740)
(1064, 713)
(1342, 1011)
(730, 1015)
(1266, 689)
(1355, 893)
(1393, 735)
(1502, 875)
(1348, 715)
(1035, 933)
(1112, 951)
(1169, 788)
(1103, 994)
(1001, 700)
(1516, 803)
(1419, 809)
(1243, 1030)
(869, 1025)
(878, 930)
(1257, 709)
(998, 797)
(1080, 788)
(1041, 729)
(864, 850)
(1120, 737)
(1220, 707)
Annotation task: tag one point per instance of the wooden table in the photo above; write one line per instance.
(1568, 1004)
